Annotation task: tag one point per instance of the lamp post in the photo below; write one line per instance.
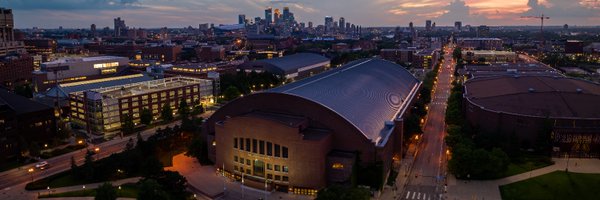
(31, 172)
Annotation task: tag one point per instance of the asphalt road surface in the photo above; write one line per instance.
(427, 177)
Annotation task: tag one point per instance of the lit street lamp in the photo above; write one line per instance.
(31, 172)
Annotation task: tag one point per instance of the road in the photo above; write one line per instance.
(427, 177)
(62, 163)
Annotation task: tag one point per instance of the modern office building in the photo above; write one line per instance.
(100, 110)
(15, 70)
(507, 69)
(269, 15)
(308, 134)
(292, 67)
(523, 105)
(458, 25)
(489, 56)
(77, 69)
(241, 19)
(428, 25)
(120, 29)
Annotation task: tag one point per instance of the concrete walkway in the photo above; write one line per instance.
(489, 190)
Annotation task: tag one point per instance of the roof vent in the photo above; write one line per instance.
(531, 90)
(579, 90)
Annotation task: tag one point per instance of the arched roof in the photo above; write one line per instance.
(366, 93)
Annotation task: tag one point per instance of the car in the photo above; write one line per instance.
(42, 165)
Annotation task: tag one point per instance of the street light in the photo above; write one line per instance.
(31, 172)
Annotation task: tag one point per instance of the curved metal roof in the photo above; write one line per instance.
(366, 93)
(292, 63)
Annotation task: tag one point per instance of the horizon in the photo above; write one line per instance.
(77, 14)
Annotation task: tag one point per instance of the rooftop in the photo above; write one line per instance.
(65, 89)
(19, 104)
(292, 63)
(84, 59)
(144, 87)
(538, 96)
(366, 93)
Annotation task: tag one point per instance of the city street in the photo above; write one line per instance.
(18, 176)
(427, 177)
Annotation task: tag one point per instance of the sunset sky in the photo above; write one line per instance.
(181, 13)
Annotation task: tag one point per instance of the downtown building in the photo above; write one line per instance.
(308, 134)
(15, 64)
(480, 43)
(100, 110)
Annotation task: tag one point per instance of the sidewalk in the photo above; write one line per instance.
(489, 190)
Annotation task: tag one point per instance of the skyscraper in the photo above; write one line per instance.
(328, 24)
(286, 14)
(458, 25)
(120, 27)
(241, 19)
(342, 23)
(277, 16)
(428, 25)
(93, 30)
(269, 15)
(310, 25)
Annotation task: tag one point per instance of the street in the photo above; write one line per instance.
(427, 177)
(62, 163)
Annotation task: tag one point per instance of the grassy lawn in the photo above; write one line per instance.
(10, 164)
(525, 164)
(129, 190)
(62, 179)
(555, 185)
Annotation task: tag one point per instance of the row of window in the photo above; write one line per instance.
(278, 168)
(260, 147)
(248, 171)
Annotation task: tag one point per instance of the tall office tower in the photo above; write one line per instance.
(286, 14)
(428, 25)
(342, 23)
(458, 25)
(310, 25)
(347, 26)
(328, 24)
(241, 19)
(6, 25)
(120, 27)
(277, 16)
(93, 30)
(269, 15)
(483, 31)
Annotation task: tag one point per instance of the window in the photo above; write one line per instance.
(261, 147)
(254, 145)
(235, 158)
(235, 143)
(241, 143)
(247, 144)
(284, 152)
(269, 149)
(247, 161)
(235, 168)
(269, 176)
(285, 178)
(337, 166)
(277, 151)
(269, 166)
(277, 168)
(277, 177)
(285, 169)
(248, 171)
(242, 160)
(241, 169)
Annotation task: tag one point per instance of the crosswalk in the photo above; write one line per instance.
(421, 196)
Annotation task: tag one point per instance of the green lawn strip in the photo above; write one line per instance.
(555, 185)
(11, 164)
(129, 190)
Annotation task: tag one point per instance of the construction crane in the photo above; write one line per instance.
(542, 18)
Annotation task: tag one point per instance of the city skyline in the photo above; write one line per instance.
(183, 13)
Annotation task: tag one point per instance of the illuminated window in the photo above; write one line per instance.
(337, 166)
(269, 166)
(105, 65)
(285, 169)
(277, 168)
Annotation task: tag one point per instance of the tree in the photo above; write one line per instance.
(231, 93)
(127, 125)
(337, 192)
(24, 90)
(106, 192)
(151, 190)
(173, 183)
(457, 53)
(64, 131)
(34, 149)
(146, 116)
(167, 113)
(74, 167)
(198, 150)
(198, 109)
(183, 109)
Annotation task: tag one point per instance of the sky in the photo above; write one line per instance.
(183, 13)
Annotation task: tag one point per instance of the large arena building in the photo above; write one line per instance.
(302, 136)
(523, 105)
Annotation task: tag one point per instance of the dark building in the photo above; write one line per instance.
(574, 47)
(398, 55)
(305, 135)
(210, 53)
(23, 122)
(523, 106)
(292, 67)
(163, 53)
(15, 70)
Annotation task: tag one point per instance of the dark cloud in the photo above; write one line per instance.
(71, 4)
